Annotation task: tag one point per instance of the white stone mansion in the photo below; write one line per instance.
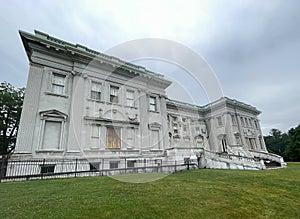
(114, 109)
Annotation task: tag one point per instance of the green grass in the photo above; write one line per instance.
(188, 194)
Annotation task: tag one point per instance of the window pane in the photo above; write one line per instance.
(152, 107)
(57, 89)
(58, 79)
(96, 87)
(114, 90)
(58, 83)
(152, 100)
(95, 95)
(152, 103)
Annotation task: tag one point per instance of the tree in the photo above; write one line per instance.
(276, 142)
(293, 148)
(11, 101)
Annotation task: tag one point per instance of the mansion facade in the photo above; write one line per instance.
(80, 103)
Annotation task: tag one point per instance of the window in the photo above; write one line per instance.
(95, 135)
(187, 142)
(114, 94)
(52, 135)
(96, 91)
(130, 97)
(155, 141)
(185, 129)
(95, 166)
(175, 129)
(47, 168)
(261, 142)
(250, 123)
(199, 142)
(131, 163)
(255, 123)
(130, 136)
(219, 119)
(224, 145)
(237, 139)
(113, 135)
(184, 120)
(242, 121)
(152, 103)
(233, 118)
(113, 165)
(176, 142)
(246, 122)
(197, 130)
(58, 84)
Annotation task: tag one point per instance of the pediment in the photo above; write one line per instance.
(53, 113)
(154, 125)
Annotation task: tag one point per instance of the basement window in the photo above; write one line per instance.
(47, 168)
(95, 166)
(113, 165)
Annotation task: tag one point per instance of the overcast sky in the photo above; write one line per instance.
(252, 46)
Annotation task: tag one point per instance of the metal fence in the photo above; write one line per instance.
(11, 170)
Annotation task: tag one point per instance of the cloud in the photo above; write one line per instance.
(253, 46)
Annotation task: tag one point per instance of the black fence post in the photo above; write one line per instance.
(76, 167)
(43, 168)
(125, 166)
(175, 166)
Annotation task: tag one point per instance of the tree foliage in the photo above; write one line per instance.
(286, 145)
(293, 148)
(11, 100)
(276, 142)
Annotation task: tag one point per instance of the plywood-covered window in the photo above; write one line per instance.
(113, 136)
(52, 133)
(155, 142)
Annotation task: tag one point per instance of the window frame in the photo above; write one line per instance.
(131, 99)
(98, 92)
(151, 97)
(56, 84)
(114, 98)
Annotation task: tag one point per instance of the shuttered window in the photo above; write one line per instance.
(155, 144)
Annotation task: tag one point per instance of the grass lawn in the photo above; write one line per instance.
(201, 193)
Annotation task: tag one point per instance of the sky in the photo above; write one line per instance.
(252, 47)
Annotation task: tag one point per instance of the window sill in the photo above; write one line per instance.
(58, 95)
(151, 111)
(131, 107)
(49, 150)
(114, 104)
(94, 100)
